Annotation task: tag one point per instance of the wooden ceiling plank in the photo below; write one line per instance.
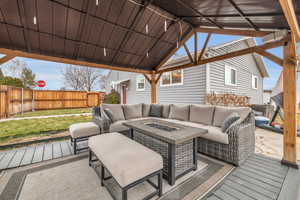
(270, 56)
(229, 55)
(240, 32)
(188, 52)
(6, 58)
(290, 15)
(70, 61)
(171, 53)
(204, 47)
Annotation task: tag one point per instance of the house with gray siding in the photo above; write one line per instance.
(241, 75)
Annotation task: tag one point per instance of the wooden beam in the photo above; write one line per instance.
(195, 48)
(188, 52)
(240, 32)
(69, 61)
(147, 78)
(171, 53)
(290, 105)
(228, 55)
(270, 56)
(153, 89)
(158, 77)
(290, 15)
(204, 47)
(6, 58)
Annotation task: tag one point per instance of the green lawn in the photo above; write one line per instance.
(16, 129)
(54, 112)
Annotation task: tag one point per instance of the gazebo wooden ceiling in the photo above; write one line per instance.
(141, 35)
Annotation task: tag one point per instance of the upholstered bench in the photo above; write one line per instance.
(128, 162)
(82, 131)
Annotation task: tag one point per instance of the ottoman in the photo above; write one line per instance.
(82, 131)
(129, 163)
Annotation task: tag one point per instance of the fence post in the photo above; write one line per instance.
(33, 105)
(22, 100)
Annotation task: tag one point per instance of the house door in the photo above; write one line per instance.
(123, 95)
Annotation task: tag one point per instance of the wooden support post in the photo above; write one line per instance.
(153, 88)
(196, 48)
(290, 105)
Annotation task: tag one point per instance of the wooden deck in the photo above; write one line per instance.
(34, 154)
(260, 178)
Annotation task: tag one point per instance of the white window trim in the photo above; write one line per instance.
(172, 84)
(253, 83)
(140, 77)
(229, 67)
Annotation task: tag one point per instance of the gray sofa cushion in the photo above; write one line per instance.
(146, 110)
(180, 112)
(133, 111)
(165, 110)
(118, 126)
(155, 110)
(202, 114)
(230, 119)
(222, 112)
(116, 110)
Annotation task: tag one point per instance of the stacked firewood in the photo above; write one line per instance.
(227, 99)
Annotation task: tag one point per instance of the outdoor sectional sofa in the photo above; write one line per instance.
(233, 146)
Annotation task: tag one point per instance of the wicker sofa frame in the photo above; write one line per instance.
(241, 139)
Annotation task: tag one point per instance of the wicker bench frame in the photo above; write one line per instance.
(158, 188)
(74, 143)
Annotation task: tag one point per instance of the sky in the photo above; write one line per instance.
(51, 71)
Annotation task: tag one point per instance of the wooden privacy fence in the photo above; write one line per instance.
(15, 100)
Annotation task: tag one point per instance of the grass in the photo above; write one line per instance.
(278, 119)
(54, 112)
(16, 129)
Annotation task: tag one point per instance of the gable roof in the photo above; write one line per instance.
(184, 59)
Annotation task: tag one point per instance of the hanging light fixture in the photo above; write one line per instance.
(166, 26)
(147, 54)
(104, 51)
(147, 30)
(177, 43)
(34, 20)
(97, 2)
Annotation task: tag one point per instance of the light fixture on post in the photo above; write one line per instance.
(104, 51)
(34, 20)
(147, 29)
(166, 26)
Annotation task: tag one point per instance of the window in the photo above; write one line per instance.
(140, 83)
(172, 78)
(230, 76)
(254, 82)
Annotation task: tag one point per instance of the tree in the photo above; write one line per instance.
(28, 78)
(11, 81)
(1, 74)
(112, 98)
(81, 78)
(14, 68)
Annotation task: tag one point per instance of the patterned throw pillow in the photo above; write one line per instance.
(110, 115)
(155, 110)
(230, 119)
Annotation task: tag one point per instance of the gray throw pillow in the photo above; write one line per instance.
(230, 119)
(109, 114)
(155, 110)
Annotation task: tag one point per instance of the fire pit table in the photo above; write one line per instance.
(175, 142)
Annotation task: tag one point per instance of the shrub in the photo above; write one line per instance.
(112, 98)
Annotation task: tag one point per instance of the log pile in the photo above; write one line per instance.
(227, 99)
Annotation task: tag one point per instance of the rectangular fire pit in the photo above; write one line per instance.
(176, 143)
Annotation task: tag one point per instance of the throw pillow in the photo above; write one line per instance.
(230, 119)
(155, 110)
(109, 114)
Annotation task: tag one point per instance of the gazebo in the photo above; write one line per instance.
(141, 35)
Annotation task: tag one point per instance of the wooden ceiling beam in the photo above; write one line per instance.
(229, 55)
(204, 47)
(173, 51)
(270, 56)
(6, 58)
(240, 32)
(188, 52)
(18, 53)
(290, 15)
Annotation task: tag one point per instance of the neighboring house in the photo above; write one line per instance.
(267, 96)
(241, 75)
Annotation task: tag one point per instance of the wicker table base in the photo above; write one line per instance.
(178, 159)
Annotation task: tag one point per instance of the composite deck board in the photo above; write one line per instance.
(15, 162)
(48, 151)
(38, 154)
(6, 159)
(65, 149)
(253, 181)
(57, 153)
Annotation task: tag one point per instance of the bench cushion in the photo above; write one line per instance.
(83, 129)
(126, 160)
